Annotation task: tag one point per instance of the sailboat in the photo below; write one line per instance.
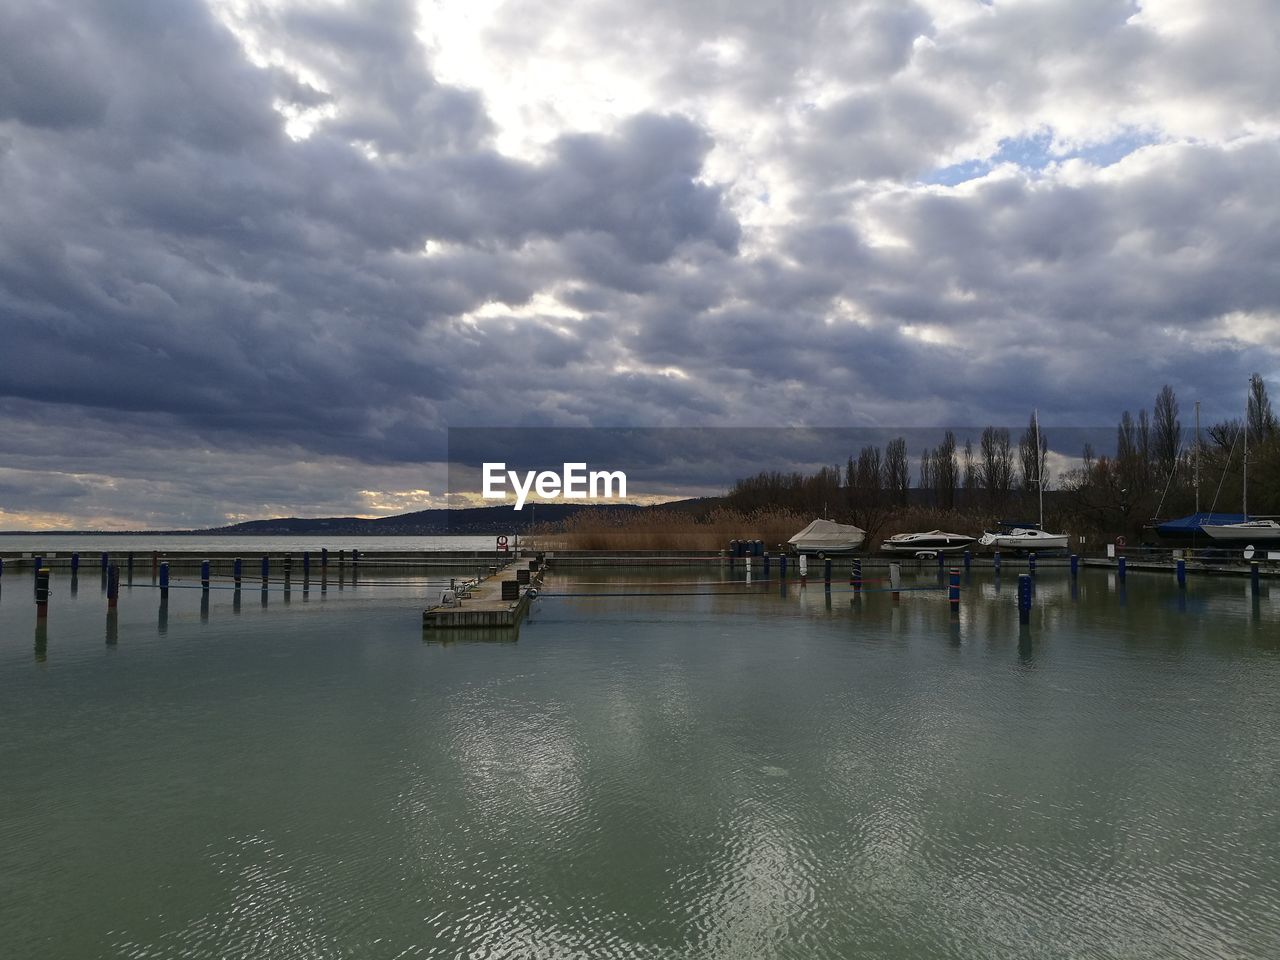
(1027, 537)
(1258, 532)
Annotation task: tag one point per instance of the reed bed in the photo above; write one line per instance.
(667, 530)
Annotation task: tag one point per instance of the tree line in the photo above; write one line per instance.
(1158, 468)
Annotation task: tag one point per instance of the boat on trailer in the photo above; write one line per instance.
(931, 543)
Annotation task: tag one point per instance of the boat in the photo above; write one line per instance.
(827, 536)
(1255, 532)
(933, 542)
(1025, 536)
(1189, 531)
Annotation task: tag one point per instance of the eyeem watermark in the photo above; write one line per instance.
(573, 483)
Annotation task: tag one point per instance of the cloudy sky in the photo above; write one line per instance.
(256, 256)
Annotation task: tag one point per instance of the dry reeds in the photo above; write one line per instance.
(659, 529)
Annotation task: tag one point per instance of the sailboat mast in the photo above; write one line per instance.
(1035, 416)
(1197, 459)
(1244, 472)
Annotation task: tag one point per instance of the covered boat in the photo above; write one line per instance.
(827, 536)
(1188, 530)
(935, 541)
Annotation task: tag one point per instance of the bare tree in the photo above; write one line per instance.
(945, 473)
(897, 471)
(995, 471)
(1032, 463)
(1167, 439)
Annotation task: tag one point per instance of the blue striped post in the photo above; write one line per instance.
(1120, 568)
(105, 560)
(1031, 563)
(953, 592)
(164, 577)
(1182, 574)
(940, 558)
(266, 570)
(204, 574)
(42, 593)
(855, 575)
(237, 568)
(35, 570)
(1075, 566)
(1024, 598)
(75, 562)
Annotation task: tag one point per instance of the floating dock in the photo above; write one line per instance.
(484, 606)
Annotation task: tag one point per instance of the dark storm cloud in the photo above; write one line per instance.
(235, 306)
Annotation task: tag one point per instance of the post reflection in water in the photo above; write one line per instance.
(264, 598)
(204, 606)
(75, 582)
(162, 619)
(42, 640)
(235, 600)
(1026, 653)
(113, 626)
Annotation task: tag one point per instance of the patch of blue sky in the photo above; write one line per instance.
(1035, 152)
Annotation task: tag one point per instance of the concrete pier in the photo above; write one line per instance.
(485, 608)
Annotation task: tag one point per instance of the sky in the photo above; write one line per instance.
(257, 257)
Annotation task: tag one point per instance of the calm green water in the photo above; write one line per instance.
(750, 775)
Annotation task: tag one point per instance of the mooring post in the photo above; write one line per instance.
(995, 562)
(355, 557)
(968, 561)
(237, 567)
(204, 574)
(1075, 565)
(113, 585)
(75, 563)
(35, 570)
(782, 566)
(826, 571)
(804, 567)
(164, 578)
(129, 562)
(342, 559)
(855, 575)
(104, 562)
(266, 570)
(155, 562)
(306, 564)
(288, 567)
(324, 558)
(1182, 574)
(42, 592)
(733, 552)
(766, 565)
(1120, 568)
(1255, 584)
(1031, 563)
(940, 561)
(953, 592)
(1024, 598)
(1, 568)
(895, 579)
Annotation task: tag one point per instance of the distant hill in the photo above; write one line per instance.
(464, 522)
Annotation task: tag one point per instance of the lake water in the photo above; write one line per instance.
(65, 544)
(754, 773)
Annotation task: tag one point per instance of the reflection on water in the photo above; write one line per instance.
(764, 770)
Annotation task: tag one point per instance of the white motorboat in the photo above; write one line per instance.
(1024, 538)
(827, 536)
(935, 541)
(1249, 531)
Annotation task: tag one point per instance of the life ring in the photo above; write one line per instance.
(502, 542)
(1121, 542)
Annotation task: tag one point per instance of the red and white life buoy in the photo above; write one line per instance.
(502, 543)
(1121, 542)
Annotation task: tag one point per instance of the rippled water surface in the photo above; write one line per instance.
(758, 773)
